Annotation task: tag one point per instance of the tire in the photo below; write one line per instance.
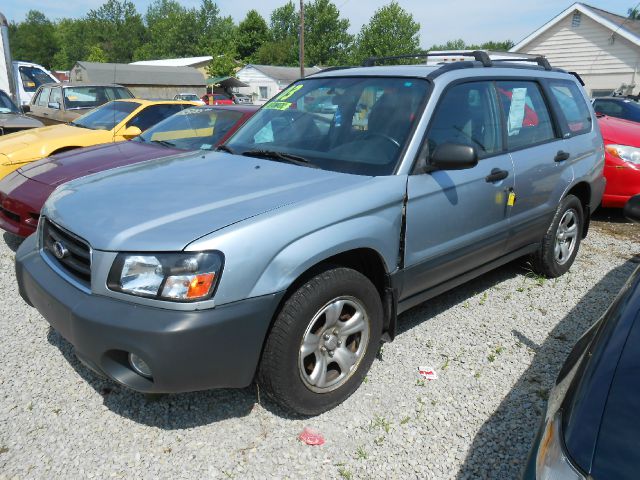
(312, 376)
(560, 244)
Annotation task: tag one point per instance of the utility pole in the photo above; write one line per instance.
(301, 52)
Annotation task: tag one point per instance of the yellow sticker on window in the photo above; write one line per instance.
(277, 106)
(290, 91)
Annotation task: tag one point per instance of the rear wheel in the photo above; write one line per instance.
(322, 342)
(560, 244)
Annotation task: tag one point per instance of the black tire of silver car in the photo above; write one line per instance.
(560, 244)
(322, 342)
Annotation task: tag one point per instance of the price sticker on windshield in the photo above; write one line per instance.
(277, 106)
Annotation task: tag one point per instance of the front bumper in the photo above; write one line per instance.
(186, 350)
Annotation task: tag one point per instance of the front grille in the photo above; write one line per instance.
(71, 253)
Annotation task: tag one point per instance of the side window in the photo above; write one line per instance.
(56, 96)
(577, 118)
(43, 98)
(467, 114)
(607, 107)
(527, 118)
(152, 115)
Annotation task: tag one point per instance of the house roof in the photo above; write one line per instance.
(283, 74)
(618, 24)
(127, 74)
(175, 62)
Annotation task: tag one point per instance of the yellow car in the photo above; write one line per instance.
(112, 122)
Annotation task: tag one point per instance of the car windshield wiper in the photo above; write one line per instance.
(280, 157)
(164, 143)
(224, 148)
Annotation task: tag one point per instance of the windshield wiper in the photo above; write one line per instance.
(280, 157)
(224, 148)
(164, 143)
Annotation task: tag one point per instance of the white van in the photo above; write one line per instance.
(28, 77)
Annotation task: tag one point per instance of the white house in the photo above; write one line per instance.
(602, 47)
(265, 80)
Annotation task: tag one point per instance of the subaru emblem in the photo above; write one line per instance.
(59, 250)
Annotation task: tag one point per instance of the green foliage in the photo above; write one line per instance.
(96, 54)
(633, 14)
(222, 65)
(34, 39)
(326, 41)
(391, 31)
(459, 44)
(253, 32)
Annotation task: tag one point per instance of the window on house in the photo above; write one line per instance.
(264, 92)
(575, 20)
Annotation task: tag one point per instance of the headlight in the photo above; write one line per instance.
(182, 277)
(625, 153)
(552, 463)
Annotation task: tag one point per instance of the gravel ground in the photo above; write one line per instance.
(497, 344)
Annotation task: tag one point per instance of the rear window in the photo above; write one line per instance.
(106, 116)
(577, 118)
(90, 97)
(527, 117)
(154, 114)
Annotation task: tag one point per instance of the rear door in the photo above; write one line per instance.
(457, 219)
(537, 149)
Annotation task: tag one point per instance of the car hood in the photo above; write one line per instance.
(36, 138)
(14, 120)
(61, 168)
(619, 131)
(166, 204)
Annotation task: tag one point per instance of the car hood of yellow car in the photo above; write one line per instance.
(37, 143)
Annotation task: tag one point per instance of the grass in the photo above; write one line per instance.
(491, 357)
(483, 299)
(361, 453)
(445, 365)
(381, 422)
(405, 420)
(345, 473)
(420, 382)
(379, 441)
(476, 375)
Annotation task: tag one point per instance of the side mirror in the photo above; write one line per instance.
(131, 131)
(632, 209)
(54, 105)
(26, 108)
(453, 156)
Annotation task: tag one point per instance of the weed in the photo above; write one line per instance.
(380, 353)
(507, 296)
(499, 349)
(520, 289)
(57, 411)
(445, 365)
(361, 453)
(365, 379)
(344, 473)
(491, 357)
(483, 299)
(433, 403)
(420, 382)
(405, 420)
(4, 449)
(379, 441)
(519, 344)
(428, 344)
(477, 375)
(166, 450)
(381, 422)
(465, 304)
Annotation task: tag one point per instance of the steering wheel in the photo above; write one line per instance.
(386, 137)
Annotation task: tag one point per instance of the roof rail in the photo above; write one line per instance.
(479, 55)
(540, 60)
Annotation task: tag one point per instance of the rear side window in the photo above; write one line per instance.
(627, 109)
(577, 118)
(527, 118)
(154, 114)
(467, 115)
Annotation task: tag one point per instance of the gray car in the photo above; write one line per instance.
(12, 119)
(286, 257)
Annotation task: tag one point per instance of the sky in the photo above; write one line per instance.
(475, 21)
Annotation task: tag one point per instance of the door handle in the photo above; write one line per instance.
(561, 156)
(496, 175)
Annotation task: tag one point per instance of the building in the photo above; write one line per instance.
(199, 63)
(602, 47)
(265, 81)
(144, 81)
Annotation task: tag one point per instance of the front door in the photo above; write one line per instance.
(457, 219)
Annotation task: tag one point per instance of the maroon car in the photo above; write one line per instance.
(24, 191)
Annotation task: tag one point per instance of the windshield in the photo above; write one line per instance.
(6, 105)
(33, 77)
(193, 129)
(188, 97)
(625, 109)
(107, 116)
(90, 97)
(352, 125)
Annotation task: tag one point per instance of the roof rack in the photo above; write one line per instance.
(479, 55)
(540, 60)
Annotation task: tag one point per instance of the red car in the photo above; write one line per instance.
(24, 191)
(622, 160)
(216, 99)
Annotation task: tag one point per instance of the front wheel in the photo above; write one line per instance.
(322, 342)
(560, 244)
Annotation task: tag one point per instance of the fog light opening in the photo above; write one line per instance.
(139, 365)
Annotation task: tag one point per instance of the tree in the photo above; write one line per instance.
(96, 54)
(117, 28)
(460, 44)
(253, 32)
(633, 14)
(214, 33)
(172, 31)
(34, 39)
(282, 48)
(391, 31)
(222, 65)
(70, 37)
(327, 41)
